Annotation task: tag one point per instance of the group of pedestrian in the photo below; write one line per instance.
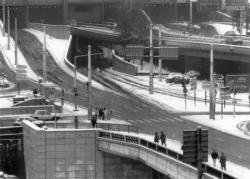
(161, 137)
(103, 113)
(222, 159)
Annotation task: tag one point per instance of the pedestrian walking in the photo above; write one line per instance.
(163, 138)
(156, 139)
(35, 93)
(214, 156)
(223, 160)
(93, 121)
(105, 113)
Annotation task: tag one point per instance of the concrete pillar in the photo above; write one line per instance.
(26, 5)
(65, 11)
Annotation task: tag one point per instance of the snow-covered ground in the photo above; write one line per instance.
(58, 49)
(223, 28)
(173, 104)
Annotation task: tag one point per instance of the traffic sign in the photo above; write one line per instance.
(190, 145)
(236, 5)
(209, 5)
(193, 83)
(134, 51)
(185, 90)
(168, 53)
(21, 71)
(206, 85)
(21, 66)
(239, 82)
(21, 77)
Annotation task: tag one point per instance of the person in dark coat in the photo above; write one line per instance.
(223, 160)
(93, 120)
(163, 138)
(214, 156)
(156, 139)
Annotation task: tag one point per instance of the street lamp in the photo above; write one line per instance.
(151, 85)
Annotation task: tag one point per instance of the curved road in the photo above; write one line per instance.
(126, 106)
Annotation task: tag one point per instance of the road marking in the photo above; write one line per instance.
(140, 121)
(177, 119)
(131, 121)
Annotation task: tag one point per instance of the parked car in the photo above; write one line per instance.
(232, 38)
(19, 120)
(192, 74)
(177, 78)
(43, 115)
(4, 83)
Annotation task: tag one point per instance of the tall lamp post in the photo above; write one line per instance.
(89, 79)
(211, 91)
(4, 18)
(151, 82)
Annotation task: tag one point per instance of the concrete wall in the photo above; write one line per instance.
(123, 66)
(25, 109)
(56, 31)
(164, 164)
(85, 13)
(59, 154)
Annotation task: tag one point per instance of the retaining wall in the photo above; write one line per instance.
(120, 65)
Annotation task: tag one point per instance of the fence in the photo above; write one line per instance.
(118, 127)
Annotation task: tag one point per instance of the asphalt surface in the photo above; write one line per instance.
(147, 117)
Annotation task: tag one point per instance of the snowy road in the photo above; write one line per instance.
(129, 107)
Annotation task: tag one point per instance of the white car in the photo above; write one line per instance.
(44, 115)
(19, 120)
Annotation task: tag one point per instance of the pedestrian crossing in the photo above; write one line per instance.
(141, 121)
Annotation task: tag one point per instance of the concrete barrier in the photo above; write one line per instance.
(25, 109)
(122, 66)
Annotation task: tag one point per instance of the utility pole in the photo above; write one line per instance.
(75, 83)
(8, 14)
(211, 91)
(89, 84)
(4, 18)
(190, 15)
(44, 55)
(151, 80)
(16, 60)
(160, 59)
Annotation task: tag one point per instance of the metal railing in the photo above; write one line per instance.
(118, 127)
(161, 149)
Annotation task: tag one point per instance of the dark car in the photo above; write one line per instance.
(177, 78)
(232, 38)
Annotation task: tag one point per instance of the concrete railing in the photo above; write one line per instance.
(119, 64)
(156, 156)
(56, 31)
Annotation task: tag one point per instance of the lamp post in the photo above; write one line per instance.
(4, 18)
(44, 55)
(151, 80)
(89, 79)
(211, 91)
